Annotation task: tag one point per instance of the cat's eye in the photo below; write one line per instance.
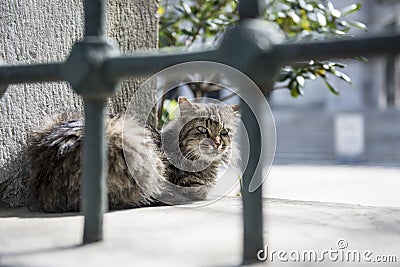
(202, 129)
(223, 132)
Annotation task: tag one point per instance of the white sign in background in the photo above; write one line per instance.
(349, 135)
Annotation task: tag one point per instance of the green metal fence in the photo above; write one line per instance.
(94, 69)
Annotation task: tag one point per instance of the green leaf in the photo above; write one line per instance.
(340, 65)
(281, 15)
(344, 24)
(300, 91)
(186, 32)
(211, 24)
(296, 19)
(339, 32)
(362, 59)
(336, 13)
(295, 89)
(321, 19)
(306, 6)
(180, 9)
(330, 5)
(326, 67)
(342, 76)
(186, 7)
(294, 93)
(350, 9)
(331, 88)
(358, 25)
(300, 80)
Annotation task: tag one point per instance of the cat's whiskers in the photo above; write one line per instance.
(192, 154)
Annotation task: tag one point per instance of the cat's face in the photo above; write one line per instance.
(208, 132)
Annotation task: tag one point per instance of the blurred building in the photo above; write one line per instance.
(311, 129)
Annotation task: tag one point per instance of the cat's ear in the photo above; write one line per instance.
(185, 106)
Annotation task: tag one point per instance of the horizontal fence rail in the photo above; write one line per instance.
(105, 68)
(367, 45)
(46, 72)
(146, 63)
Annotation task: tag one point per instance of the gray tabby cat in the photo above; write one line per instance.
(158, 172)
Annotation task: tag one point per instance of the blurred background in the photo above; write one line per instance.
(361, 125)
(344, 111)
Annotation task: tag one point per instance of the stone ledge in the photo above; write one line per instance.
(185, 236)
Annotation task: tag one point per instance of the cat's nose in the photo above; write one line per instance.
(217, 143)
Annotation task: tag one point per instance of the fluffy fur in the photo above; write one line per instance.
(55, 159)
(55, 166)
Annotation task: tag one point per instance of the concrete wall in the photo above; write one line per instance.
(134, 24)
(41, 31)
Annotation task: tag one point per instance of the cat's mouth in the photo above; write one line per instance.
(206, 150)
(210, 152)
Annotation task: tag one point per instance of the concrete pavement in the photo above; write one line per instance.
(210, 235)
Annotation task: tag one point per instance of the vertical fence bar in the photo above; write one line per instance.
(249, 9)
(95, 17)
(94, 171)
(253, 239)
(94, 193)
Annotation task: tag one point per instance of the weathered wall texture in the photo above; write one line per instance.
(40, 31)
(135, 27)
